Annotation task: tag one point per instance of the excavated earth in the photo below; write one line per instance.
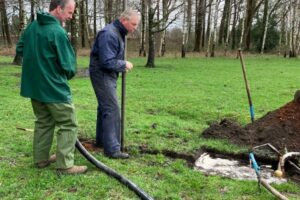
(280, 128)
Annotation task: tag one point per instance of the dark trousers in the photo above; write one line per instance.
(108, 112)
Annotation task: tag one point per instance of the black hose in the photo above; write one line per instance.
(111, 172)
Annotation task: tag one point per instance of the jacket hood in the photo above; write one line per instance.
(45, 18)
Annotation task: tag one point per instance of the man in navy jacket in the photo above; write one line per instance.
(106, 61)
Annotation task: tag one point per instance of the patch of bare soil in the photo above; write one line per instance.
(281, 128)
(89, 145)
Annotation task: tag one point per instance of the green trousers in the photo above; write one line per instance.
(49, 116)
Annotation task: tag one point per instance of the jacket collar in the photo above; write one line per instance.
(120, 27)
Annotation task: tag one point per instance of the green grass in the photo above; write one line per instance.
(167, 108)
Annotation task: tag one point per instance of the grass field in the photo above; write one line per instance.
(167, 108)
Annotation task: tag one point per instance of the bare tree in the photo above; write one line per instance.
(269, 9)
(166, 5)
(152, 26)
(230, 26)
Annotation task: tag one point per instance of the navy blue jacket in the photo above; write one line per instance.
(107, 53)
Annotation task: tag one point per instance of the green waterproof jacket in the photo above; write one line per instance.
(48, 60)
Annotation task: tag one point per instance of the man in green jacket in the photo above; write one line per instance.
(48, 62)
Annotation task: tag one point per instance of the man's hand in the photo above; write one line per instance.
(128, 66)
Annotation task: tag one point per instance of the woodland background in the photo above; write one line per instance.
(182, 26)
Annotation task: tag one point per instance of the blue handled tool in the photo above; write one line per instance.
(262, 181)
(247, 86)
(255, 166)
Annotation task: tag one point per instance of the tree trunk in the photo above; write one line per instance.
(283, 31)
(108, 11)
(234, 24)
(252, 7)
(2, 29)
(295, 28)
(75, 29)
(208, 32)
(290, 35)
(6, 30)
(18, 59)
(241, 7)
(189, 19)
(161, 35)
(215, 28)
(224, 22)
(227, 28)
(184, 30)
(203, 38)
(32, 5)
(83, 24)
(248, 23)
(87, 24)
(95, 19)
(199, 25)
(151, 54)
(265, 25)
(142, 51)
(162, 43)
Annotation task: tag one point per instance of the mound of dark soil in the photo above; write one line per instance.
(281, 128)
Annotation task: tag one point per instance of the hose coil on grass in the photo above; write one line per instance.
(143, 195)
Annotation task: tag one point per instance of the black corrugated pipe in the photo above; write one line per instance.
(143, 195)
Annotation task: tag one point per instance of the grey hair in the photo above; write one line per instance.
(128, 13)
(55, 3)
